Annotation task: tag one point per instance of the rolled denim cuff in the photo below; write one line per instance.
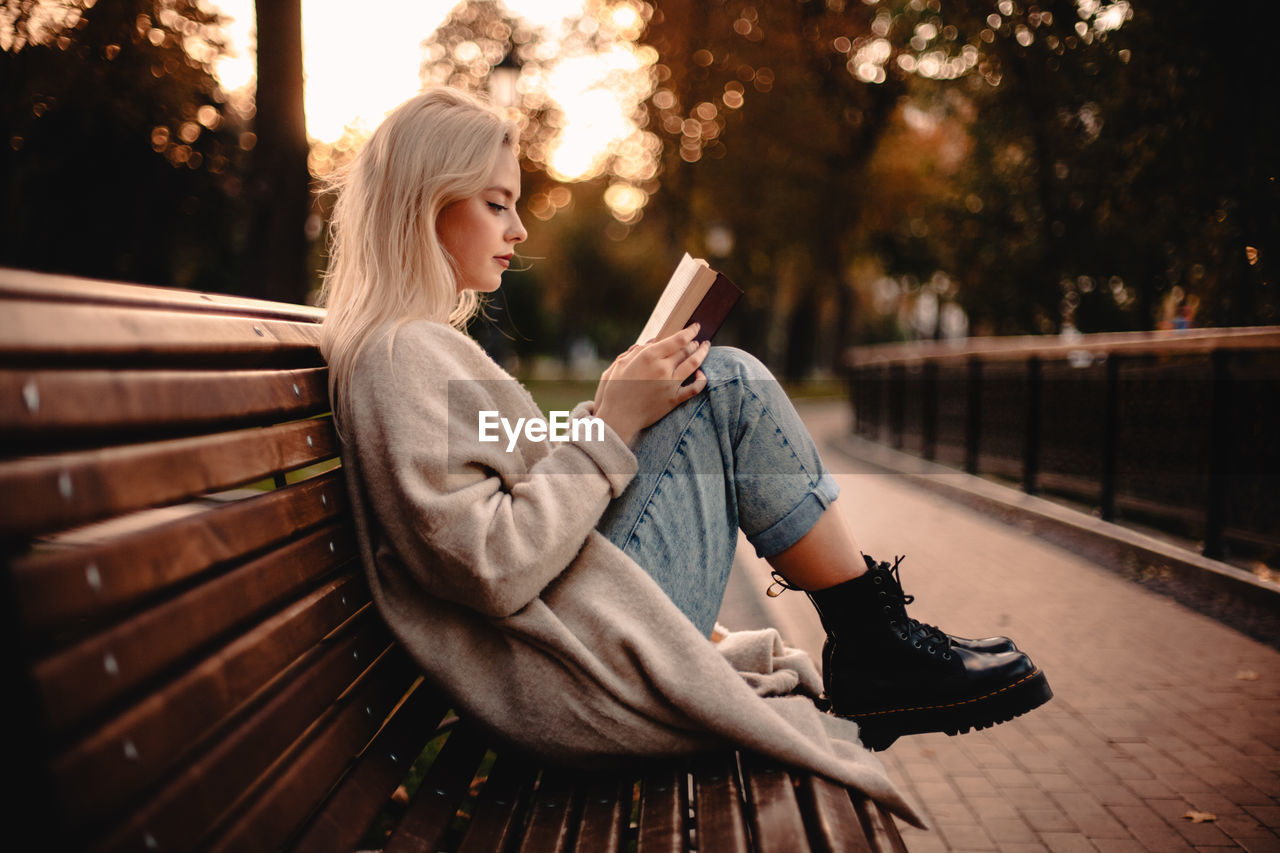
(799, 521)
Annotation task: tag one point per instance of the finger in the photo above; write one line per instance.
(624, 357)
(692, 362)
(691, 350)
(694, 388)
(673, 343)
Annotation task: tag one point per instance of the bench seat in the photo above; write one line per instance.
(195, 660)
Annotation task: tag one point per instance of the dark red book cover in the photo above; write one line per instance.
(715, 306)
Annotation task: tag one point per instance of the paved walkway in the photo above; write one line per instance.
(1158, 712)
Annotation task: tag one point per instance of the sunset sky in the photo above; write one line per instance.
(359, 67)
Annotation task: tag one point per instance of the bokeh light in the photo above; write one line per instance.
(597, 94)
(625, 201)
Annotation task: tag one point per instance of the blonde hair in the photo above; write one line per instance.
(386, 262)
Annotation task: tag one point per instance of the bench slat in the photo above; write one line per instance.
(345, 816)
(552, 814)
(889, 830)
(22, 284)
(833, 824)
(183, 808)
(662, 811)
(83, 486)
(85, 334)
(437, 799)
(776, 821)
(268, 813)
(67, 401)
(718, 797)
(495, 821)
(75, 682)
(606, 814)
(134, 749)
(57, 586)
(880, 828)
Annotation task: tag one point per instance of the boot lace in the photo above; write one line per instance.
(920, 634)
(779, 586)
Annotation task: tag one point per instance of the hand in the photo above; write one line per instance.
(659, 368)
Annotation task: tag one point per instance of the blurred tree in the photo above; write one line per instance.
(771, 113)
(276, 263)
(1193, 162)
(120, 158)
(1119, 168)
(998, 219)
(763, 120)
(1074, 162)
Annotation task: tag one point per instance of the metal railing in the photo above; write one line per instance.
(1176, 430)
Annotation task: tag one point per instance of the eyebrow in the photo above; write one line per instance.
(503, 191)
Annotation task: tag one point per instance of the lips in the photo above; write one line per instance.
(505, 260)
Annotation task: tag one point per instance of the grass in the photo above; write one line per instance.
(560, 395)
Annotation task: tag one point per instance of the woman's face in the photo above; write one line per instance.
(480, 233)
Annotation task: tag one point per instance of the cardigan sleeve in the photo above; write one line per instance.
(472, 521)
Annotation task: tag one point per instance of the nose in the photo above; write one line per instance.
(517, 233)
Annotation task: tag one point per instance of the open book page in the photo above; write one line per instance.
(676, 287)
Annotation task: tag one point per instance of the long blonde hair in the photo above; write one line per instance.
(386, 262)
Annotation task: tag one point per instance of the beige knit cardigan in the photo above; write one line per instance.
(487, 567)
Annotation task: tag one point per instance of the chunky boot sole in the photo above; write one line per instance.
(880, 728)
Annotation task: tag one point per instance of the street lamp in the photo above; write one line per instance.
(502, 81)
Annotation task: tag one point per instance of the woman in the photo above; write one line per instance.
(565, 591)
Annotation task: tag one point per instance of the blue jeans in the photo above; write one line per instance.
(735, 456)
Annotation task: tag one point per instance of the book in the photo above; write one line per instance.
(695, 294)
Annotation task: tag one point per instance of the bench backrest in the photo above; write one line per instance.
(191, 648)
(192, 657)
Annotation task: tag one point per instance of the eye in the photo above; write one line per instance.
(495, 206)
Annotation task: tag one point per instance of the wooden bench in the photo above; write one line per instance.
(193, 660)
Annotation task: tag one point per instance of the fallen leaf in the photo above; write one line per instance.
(1246, 675)
(1200, 817)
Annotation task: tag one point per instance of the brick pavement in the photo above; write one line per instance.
(1158, 711)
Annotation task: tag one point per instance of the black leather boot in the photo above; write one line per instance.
(986, 645)
(896, 676)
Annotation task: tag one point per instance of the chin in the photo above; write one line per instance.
(482, 287)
